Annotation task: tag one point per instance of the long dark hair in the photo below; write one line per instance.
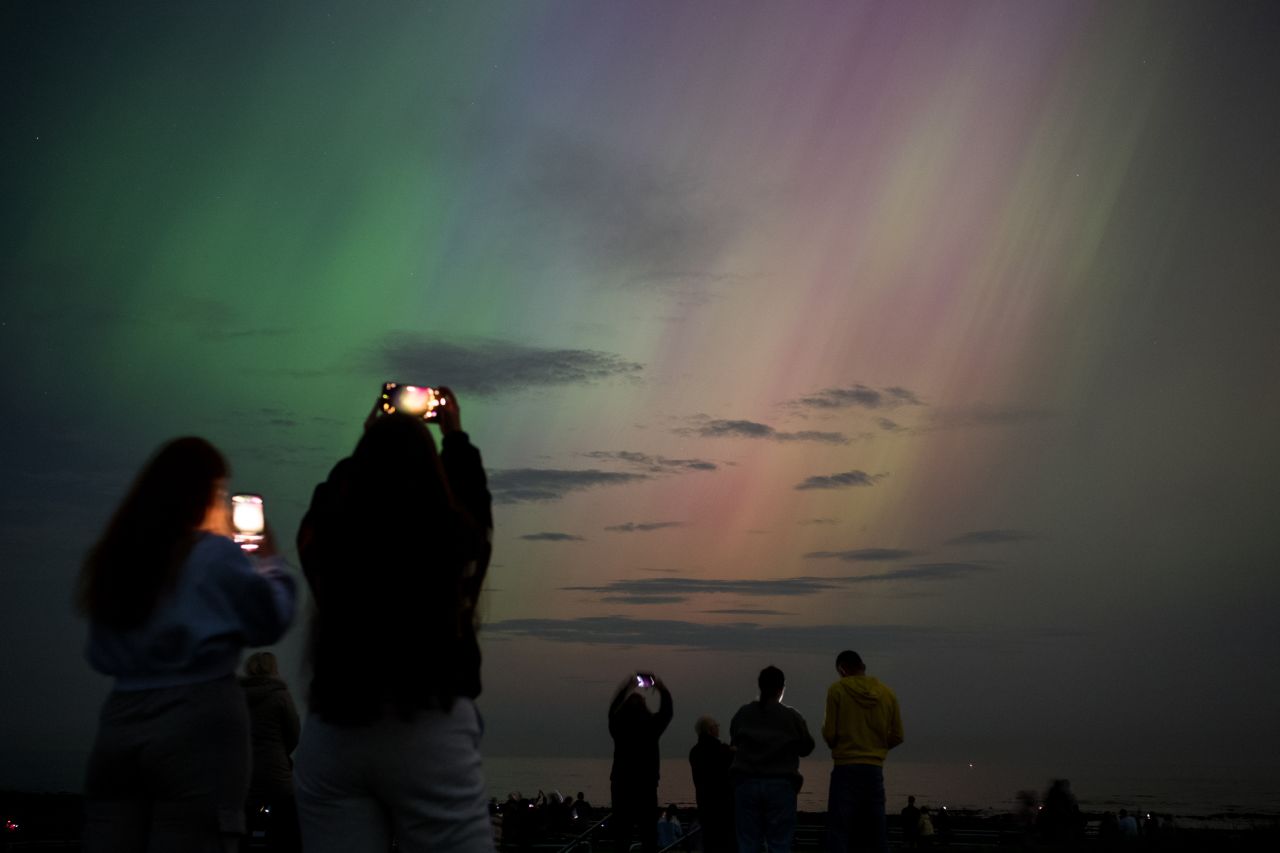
(138, 556)
(385, 554)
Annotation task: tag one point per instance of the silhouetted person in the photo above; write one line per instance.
(273, 728)
(395, 547)
(1061, 824)
(862, 723)
(1128, 826)
(1108, 831)
(633, 781)
(171, 602)
(769, 739)
(710, 760)
(910, 824)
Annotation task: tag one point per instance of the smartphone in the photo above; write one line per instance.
(645, 680)
(419, 400)
(248, 521)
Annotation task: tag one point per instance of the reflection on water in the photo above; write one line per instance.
(957, 786)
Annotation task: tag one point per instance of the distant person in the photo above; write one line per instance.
(1128, 825)
(1108, 831)
(769, 739)
(862, 723)
(395, 546)
(669, 829)
(924, 827)
(1061, 824)
(273, 729)
(710, 760)
(910, 824)
(633, 780)
(582, 806)
(171, 602)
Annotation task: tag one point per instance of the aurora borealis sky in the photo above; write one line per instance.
(944, 331)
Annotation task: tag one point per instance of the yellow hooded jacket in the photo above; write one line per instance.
(862, 722)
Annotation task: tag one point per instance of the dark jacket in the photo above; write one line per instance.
(273, 722)
(710, 760)
(635, 733)
(770, 739)
(395, 592)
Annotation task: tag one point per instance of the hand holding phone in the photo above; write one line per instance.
(248, 521)
(645, 680)
(421, 400)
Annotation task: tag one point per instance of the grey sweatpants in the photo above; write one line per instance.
(418, 780)
(169, 770)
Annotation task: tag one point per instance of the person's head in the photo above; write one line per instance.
(911, 801)
(396, 458)
(706, 726)
(849, 663)
(772, 683)
(261, 665)
(581, 796)
(180, 490)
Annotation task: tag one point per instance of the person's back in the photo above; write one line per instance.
(710, 760)
(394, 547)
(861, 724)
(768, 739)
(910, 822)
(634, 775)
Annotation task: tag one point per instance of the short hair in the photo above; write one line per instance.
(704, 725)
(771, 680)
(850, 659)
(261, 665)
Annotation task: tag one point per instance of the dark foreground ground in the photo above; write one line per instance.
(52, 822)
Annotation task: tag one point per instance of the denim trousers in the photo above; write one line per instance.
(855, 809)
(765, 811)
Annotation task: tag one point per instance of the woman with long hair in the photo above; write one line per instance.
(171, 602)
(395, 548)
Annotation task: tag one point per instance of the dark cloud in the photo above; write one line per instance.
(920, 572)
(748, 611)
(527, 485)
(644, 599)
(655, 464)
(751, 429)
(862, 555)
(817, 521)
(843, 480)
(860, 396)
(986, 415)
(642, 526)
(550, 536)
(693, 586)
(890, 426)
(749, 636)
(492, 367)
(990, 537)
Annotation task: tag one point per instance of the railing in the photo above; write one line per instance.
(572, 845)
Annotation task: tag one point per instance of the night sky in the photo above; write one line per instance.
(944, 331)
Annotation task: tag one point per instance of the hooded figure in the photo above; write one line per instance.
(862, 722)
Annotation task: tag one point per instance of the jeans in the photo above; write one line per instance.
(765, 812)
(855, 809)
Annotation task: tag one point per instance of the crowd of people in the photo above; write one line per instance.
(188, 758)
(394, 547)
(746, 789)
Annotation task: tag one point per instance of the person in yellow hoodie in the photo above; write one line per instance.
(862, 723)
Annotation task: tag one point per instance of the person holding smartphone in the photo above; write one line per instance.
(171, 602)
(633, 780)
(395, 547)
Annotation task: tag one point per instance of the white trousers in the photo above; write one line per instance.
(419, 781)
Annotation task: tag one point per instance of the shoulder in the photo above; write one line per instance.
(211, 549)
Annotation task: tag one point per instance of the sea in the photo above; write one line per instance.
(1220, 793)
